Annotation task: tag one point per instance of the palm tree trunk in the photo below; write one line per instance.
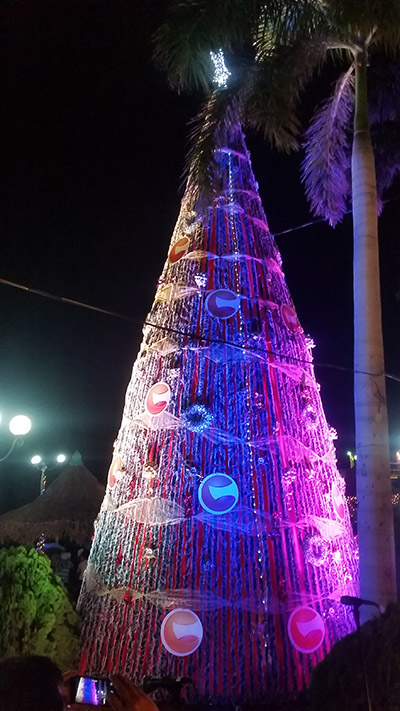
(375, 515)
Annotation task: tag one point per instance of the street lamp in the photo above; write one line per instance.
(352, 458)
(19, 426)
(40, 464)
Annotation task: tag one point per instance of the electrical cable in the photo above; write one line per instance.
(322, 219)
(193, 336)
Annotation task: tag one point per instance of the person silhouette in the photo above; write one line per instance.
(30, 683)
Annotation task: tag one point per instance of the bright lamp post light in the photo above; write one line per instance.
(352, 458)
(19, 426)
(43, 467)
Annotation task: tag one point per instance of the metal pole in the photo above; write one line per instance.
(355, 603)
(356, 611)
(43, 469)
(40, 543)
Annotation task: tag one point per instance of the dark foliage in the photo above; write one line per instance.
(274, 48)
(200, 168)
(338, 681)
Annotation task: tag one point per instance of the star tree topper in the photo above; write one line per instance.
(221, 72)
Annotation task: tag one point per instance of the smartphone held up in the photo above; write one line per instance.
(90, 690)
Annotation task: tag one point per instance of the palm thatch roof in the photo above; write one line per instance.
(67, 509)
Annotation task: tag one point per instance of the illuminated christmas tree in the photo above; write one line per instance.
(224, 542)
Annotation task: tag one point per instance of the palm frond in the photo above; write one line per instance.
(273, 90)
(367, 18)
(182, 45)
(193, 28)
(288, 22)
(221, 109)
(326, 165)
(237, 20)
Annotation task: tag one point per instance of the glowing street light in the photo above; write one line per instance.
(352, 457)
(19, 426)
(40, 464)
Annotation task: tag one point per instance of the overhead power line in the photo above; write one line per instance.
(193, 336)
(321, 219)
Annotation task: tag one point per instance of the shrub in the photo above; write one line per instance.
(338, 681)
(36, 615)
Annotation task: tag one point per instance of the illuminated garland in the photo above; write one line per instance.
(197, 418)
(352, 504)
(316, 550)
(225, 527)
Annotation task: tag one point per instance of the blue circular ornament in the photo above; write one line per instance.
(197, 417)
(218, 493)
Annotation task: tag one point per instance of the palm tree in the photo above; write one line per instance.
(273, 48)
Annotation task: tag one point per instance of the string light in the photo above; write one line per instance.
(246, 510)
(40, 543)
(352, 503)
(221, 72)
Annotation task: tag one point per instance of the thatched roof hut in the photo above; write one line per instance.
(67, 509)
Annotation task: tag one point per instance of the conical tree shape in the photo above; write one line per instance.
(224, 542)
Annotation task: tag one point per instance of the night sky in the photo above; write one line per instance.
(92, 146)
